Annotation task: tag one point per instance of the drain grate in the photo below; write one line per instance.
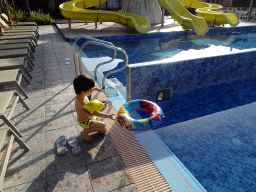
(144, 173)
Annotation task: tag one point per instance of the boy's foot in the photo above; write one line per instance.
(86, 137)
(106, 133)
(74, 144)
(61, 143)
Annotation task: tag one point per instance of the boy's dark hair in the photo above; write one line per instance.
(83, 83)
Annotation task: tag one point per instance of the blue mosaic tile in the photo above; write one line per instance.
(182, 70)
(218, 149)
(221, 179)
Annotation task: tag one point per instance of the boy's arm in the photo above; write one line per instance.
(96, 89)
(105, 115)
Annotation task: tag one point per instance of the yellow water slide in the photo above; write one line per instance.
(211, 13)
(205, 12)
(185, 18)
(78, 10)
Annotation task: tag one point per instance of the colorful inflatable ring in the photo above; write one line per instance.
(139, 125)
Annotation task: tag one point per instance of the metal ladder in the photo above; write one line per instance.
(100, 43)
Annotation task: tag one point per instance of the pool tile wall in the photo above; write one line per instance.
(143, 80)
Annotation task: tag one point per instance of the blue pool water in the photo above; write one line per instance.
(215, 137)
(212, 130)
(174, 48)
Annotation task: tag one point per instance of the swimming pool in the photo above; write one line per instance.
(214, 139)
(176, 48)
(204, 131)
(177, 63)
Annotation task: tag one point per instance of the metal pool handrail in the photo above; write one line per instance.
(107, 46)
(103, 63)
(93, 39)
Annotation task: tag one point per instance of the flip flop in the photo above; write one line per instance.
(74, 145)
(61, 143)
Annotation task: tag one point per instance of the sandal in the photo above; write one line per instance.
(74, 145)
(61, 143)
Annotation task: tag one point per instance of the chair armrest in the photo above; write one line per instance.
(1, 32)
(9, 22)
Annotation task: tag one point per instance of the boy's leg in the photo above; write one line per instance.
(96, 126)
(86, 137)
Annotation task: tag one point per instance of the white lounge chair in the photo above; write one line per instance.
(16, 63)
(32, 38)
(5, 17)
(13, 77)
(26, 29)
(18, 41)
(5, 98)
(24, 52)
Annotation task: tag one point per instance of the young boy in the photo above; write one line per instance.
(84, 86)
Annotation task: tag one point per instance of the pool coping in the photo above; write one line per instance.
(154, 34)
(172, 169)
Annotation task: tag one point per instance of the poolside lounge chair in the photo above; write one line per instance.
(4, 54)
(11, 32)
(35, 28)
(15, 33)
(18, 41)
(5, 98)
(31, 33)
(5, 17)
(13, 77)
(15, 63)
(32, 28)
(16, 37)
(20, 29)
(17, 46)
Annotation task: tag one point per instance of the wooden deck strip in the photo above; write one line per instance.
(144, 173)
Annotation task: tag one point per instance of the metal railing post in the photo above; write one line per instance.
(88, 38)
(107, 46)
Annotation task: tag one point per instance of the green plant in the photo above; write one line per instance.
(3, 10)
(36, 16)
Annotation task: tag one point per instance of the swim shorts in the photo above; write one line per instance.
(87, 123)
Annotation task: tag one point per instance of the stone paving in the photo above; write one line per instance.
(98, 167)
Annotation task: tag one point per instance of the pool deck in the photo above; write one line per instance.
(98, 167)
(112, 29)
(101, 165)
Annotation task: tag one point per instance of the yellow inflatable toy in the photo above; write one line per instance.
(94, 105)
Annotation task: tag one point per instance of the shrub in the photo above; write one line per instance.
(36, 16)
(39, 17)
(3, 10)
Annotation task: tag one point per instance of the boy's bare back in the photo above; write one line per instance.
(81, 114)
